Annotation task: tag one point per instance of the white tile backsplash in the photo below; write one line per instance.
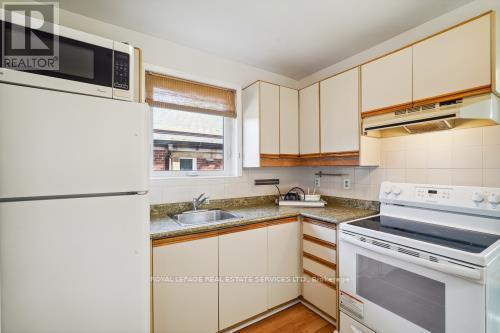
(416, 158)
(394, 159)
(491, 177)
(466, 177)
(394, 143)
(439, 176)
(467, 137)
(439, 158)
(491, 156)
(418, 176)
(491, 135)
(395, 175)
(437, 140)
(362, 176)
(416, 142)
(469, 157)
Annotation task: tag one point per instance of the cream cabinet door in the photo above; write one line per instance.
(175, 303)
(242, 255)
(269, 118)
(387, 81)
(251, 126)
(283, 262)
(456, 60)
(309, 119)
(339, 100)
(289, 121)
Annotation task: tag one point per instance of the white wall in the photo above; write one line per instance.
(439, 23)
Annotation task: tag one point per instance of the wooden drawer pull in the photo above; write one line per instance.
(320, 279)
(320, 223)
(320, 242)
(320, 260)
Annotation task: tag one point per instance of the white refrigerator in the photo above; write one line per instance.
(74, 213)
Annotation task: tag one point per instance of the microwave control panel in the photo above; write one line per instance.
(121, 70)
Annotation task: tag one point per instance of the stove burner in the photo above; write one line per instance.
(455, 238)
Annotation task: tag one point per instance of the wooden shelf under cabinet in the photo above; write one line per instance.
(350, 158)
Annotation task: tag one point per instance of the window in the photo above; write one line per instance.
(192, 127)
(187, 163)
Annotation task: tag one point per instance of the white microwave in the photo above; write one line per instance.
(87, 64)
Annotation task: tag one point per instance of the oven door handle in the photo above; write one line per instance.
(450, 268)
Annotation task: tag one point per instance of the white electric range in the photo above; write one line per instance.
(429, 262)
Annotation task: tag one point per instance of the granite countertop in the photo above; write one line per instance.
(254, 210)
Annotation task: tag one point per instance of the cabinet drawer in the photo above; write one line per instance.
(349, 325)
(317, 231)
(318, 269)
(319, 251)
(321, 296)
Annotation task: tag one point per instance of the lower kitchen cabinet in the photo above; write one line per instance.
(319, 264)
(320, 295)
(242, 255)
(245, 259)
(283, 262)
(185, 307)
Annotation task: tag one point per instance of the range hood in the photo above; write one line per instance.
(470, 111)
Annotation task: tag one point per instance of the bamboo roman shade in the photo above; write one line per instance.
(178, 94)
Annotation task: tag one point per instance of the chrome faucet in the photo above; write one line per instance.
(197, 202)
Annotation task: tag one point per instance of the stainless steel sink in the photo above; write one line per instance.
(203, 217)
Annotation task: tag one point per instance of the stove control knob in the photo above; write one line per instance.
(477, 197)
(494, 199)
(387, 190)
(396, 190)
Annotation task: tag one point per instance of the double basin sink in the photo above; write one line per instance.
(203, 217)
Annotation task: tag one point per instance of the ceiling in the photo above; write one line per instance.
(294, 38)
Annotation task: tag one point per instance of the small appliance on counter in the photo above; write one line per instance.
(297, 197)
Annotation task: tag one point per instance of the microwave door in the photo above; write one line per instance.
(81, 67)
(392, 295)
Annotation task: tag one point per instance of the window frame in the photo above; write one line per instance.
(232, 133)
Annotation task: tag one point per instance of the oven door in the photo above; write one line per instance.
(85, 62)
(391, 294)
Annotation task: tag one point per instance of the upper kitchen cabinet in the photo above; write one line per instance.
(455, 62)
(309, 120)
(289, 122)
(387, 81)
(270, 123)
(340, 113)
(269, 118)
